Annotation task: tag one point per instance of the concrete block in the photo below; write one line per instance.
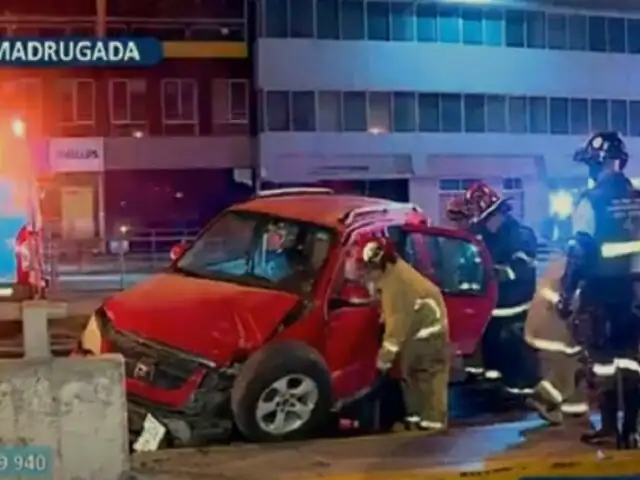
(75, 405)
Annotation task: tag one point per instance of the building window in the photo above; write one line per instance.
(599, 115)
(616, 35)
(303, 111)
(538, 115)
(427, 22)
(403, 22)
(128, 100)
(634, 118)
(557, 34)
(404, 112)
(301, 18)
(179, 101)
(619, 116)
(352, 20)
(559, 116)
(379, 118)
(597, 34)
(277, 111)
(515, 28)
(378, 19)
(633, 35)
(77, 101)
(276, 18)
(329, 112)
(327, 19)
(238, 101)
(449, 24)
(472, 26)
(517, 115)
(496, 113)
(428, 112)
(474, 113)
(578, 116)
(354, 106)
(536, 28)
(494, 27)
(451, 112)
(577, 32)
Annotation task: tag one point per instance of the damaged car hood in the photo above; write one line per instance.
(206, 318)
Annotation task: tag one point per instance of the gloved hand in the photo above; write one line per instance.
(563, 306)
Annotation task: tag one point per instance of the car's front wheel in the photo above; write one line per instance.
(283, 392)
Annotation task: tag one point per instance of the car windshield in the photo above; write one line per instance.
(259, 250)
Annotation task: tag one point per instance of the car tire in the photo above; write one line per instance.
(263, 380)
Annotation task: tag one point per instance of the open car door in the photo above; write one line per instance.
(461, 266)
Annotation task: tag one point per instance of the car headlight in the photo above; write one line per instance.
(91, 339)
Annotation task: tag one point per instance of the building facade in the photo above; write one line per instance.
(165, 147)
(419, 99)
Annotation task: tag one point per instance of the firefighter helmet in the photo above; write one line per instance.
(377, 252)
(485, 201)
(603, 148)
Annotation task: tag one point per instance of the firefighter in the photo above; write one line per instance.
(513, 249)
(459, 212)
(562, 389)
(416, 328)
(603, 265)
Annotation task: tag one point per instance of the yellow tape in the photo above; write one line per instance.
(205, 49)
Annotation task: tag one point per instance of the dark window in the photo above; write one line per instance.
(474, 113)
(449, 24)
(518, 114)
(579, 116)
(619, 117)
(404, 112)
(329, 112)
(355, 111)
(379, 112)
(403, 22)
(633, 35)
(301, 21)
(559, 116)
(278, 111)
(427, 18)
(634, 118)
(496, 113)
(327, 19)
(472, 26)
(616, 35)
(557, 37)
(538, 115)
(597, 34)
(276, 14)
(599, 115)
(515, 26)
(352, 20)
(577, 32)
(536, 29)
(428, 112)
(494, 27)
(378, 19)
(303, 111)
(451, 113)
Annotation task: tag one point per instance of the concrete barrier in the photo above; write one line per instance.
(61, 417)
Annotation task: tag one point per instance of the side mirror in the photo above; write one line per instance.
(177, 250)
(351, 294)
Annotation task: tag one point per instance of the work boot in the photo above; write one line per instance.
(609, 421)
(627, 441)
(411, 422)
(545, 406)
(429, 426)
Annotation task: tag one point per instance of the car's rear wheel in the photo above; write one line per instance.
(283, 392)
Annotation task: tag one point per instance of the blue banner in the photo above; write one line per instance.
(80, 52)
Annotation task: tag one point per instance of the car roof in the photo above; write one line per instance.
(324, 210)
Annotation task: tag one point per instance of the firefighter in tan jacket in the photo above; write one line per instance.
(416, 329)
(562, 389)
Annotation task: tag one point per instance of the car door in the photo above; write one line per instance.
(460, 265)
(353, 330)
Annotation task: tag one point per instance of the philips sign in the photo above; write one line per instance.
(76, 154)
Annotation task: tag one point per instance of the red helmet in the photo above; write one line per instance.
(483, 201)
(459, 209)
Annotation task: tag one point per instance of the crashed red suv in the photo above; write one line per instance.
(255, 325)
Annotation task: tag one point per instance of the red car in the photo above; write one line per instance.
(259, 325)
